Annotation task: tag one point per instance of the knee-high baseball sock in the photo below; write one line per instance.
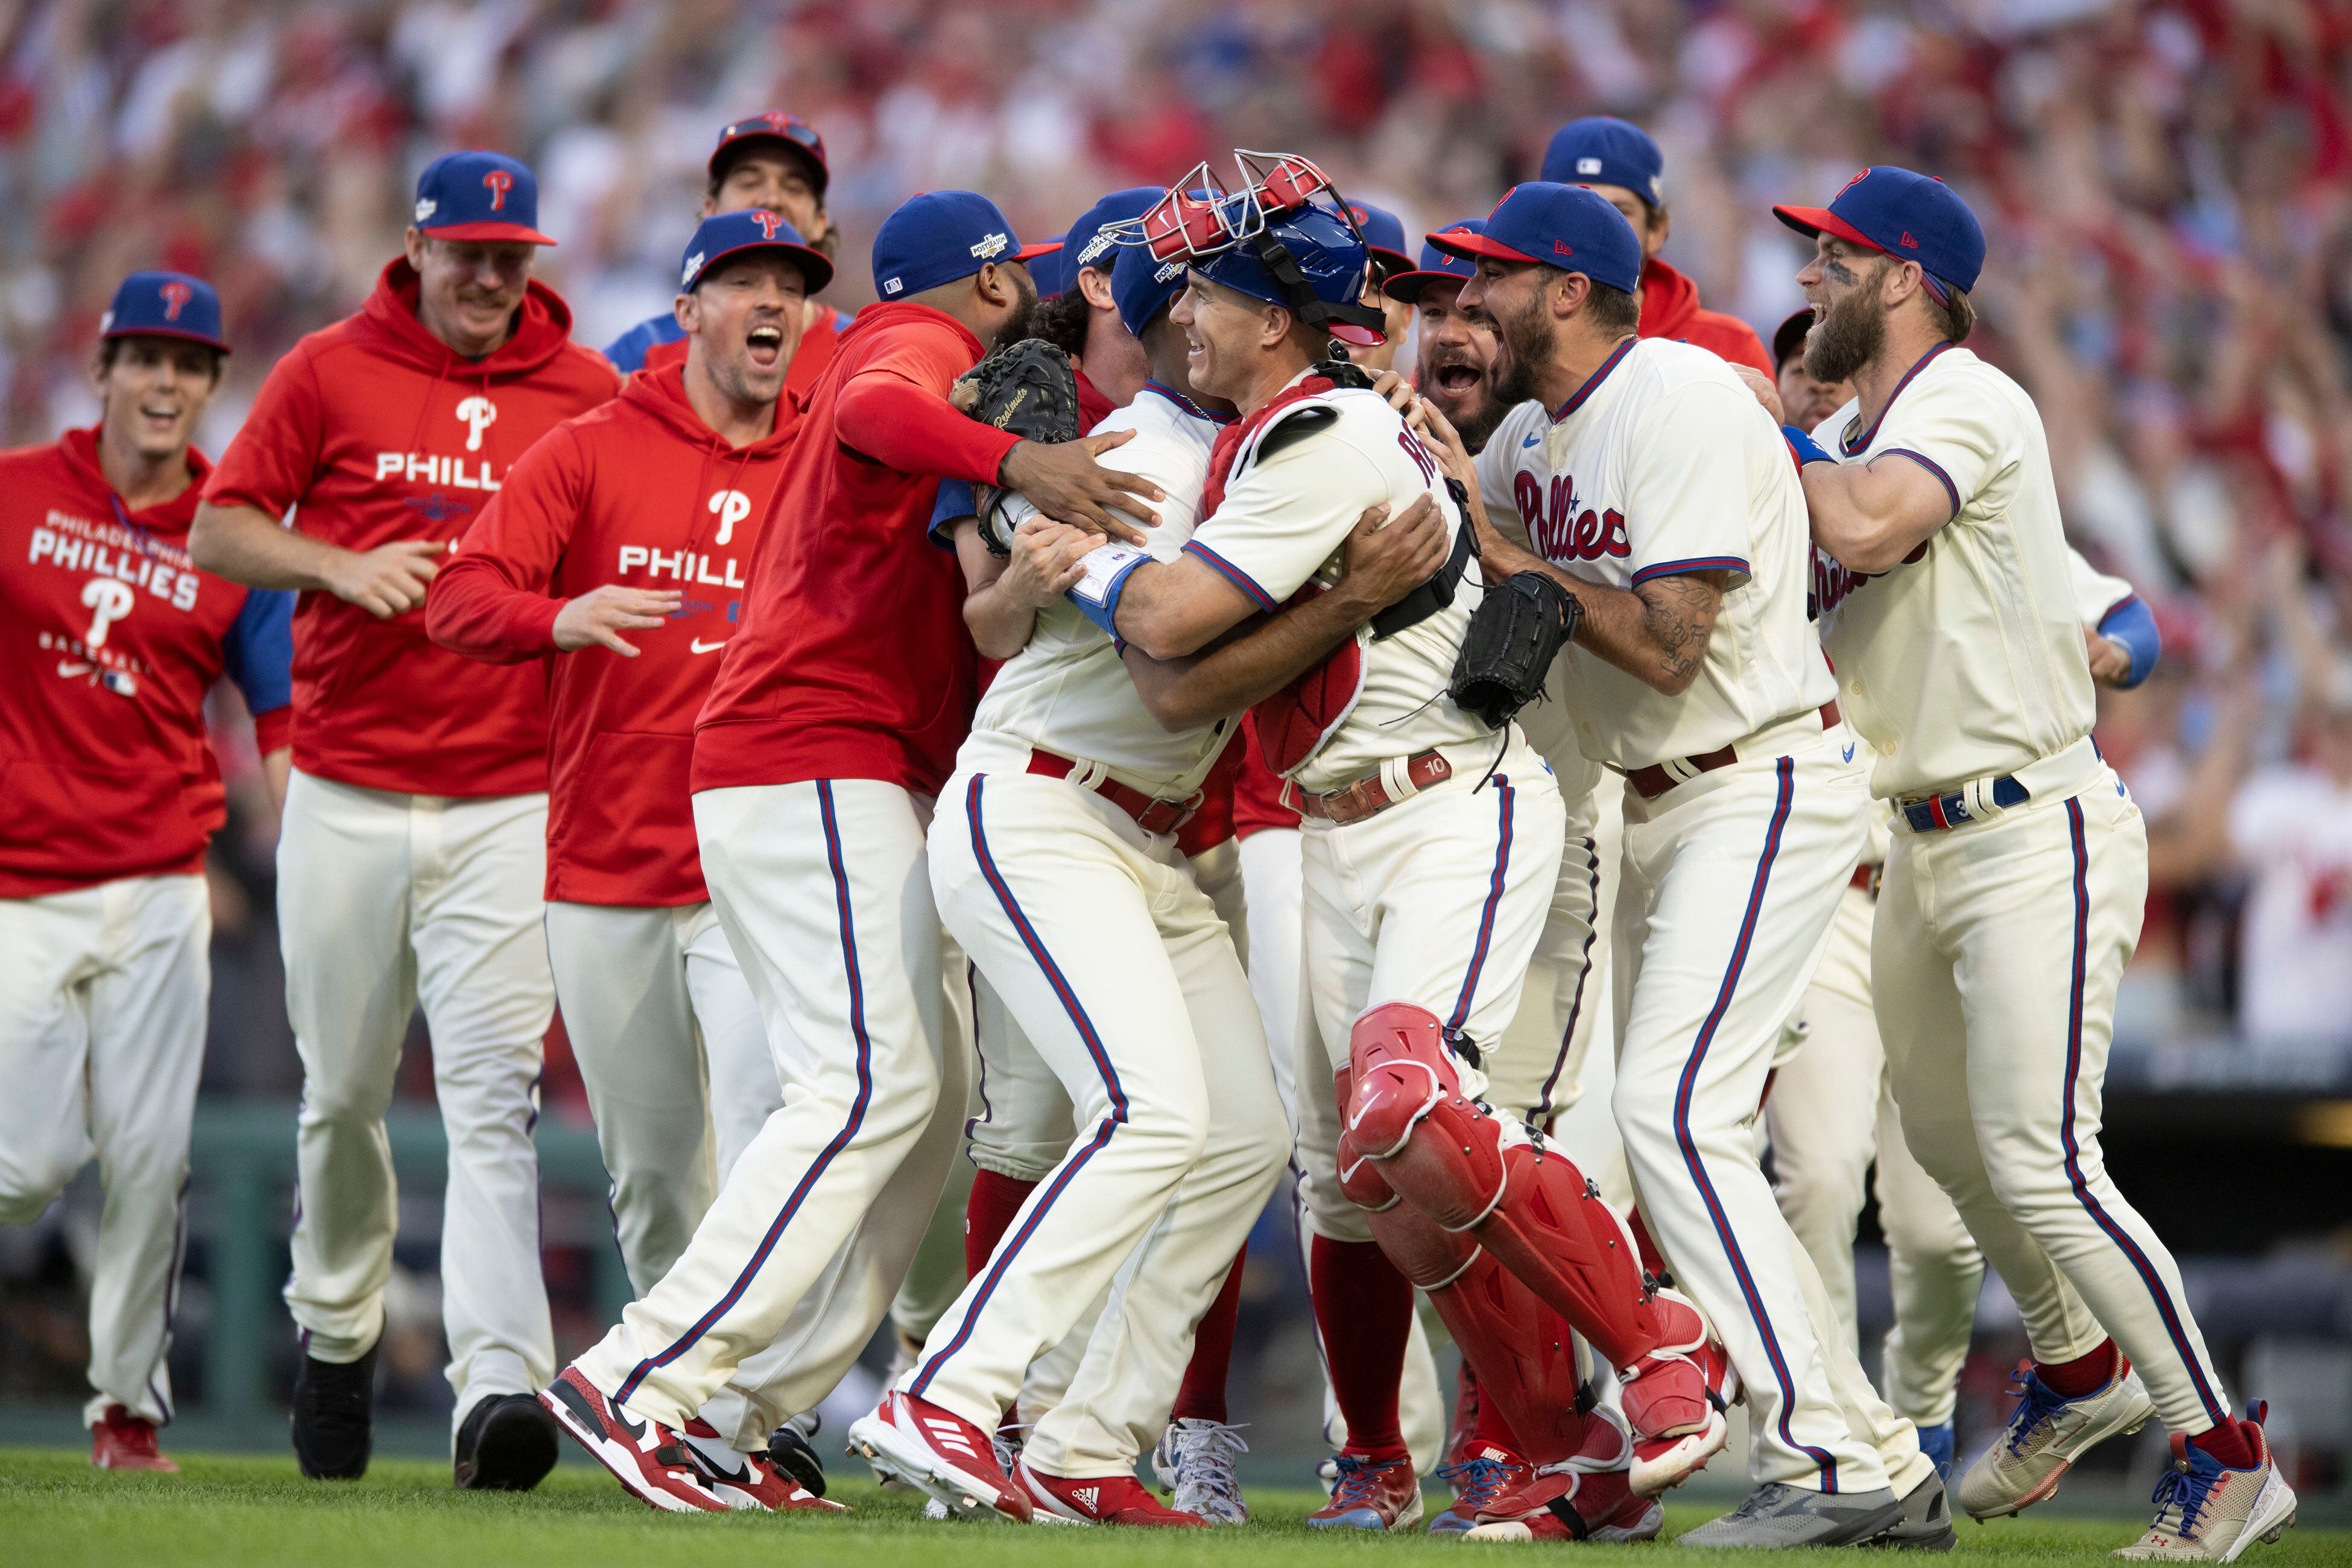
(988, 1214)
(1493, 1425)
(1363, 1306)
(1202, 1395)
(2086, 1374)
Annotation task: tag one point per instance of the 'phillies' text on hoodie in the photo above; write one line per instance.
(374, 430)
(640, 493)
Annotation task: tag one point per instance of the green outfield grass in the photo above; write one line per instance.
(55, 1511)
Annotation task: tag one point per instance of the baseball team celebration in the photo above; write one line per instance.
(964, 788)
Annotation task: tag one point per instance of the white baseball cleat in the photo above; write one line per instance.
(1194, 1463)
(2047, 1433)
(2207, 1512)
(939, 1453)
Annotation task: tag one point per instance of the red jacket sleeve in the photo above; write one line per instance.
(491, 601)
(896, 403)
(274, 456)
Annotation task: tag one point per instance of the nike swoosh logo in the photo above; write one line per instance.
(1849, 751)
(1532, 439)
(699, 646)
(69, 670)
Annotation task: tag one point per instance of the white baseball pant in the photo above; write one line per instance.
(1998, 949)
(1125, 983)
(823, 891)
(102, 1006)
(1730, 882)
(386, 901)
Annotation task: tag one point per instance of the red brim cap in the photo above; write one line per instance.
(1458, 243)
(1810, 221)
(490, 231)
(209, 342)
(1032, 252)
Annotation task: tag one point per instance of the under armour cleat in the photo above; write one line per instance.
(1371, 1494)
(650, 1460)
(2047, 1433)
(937, 1453)
(1194, 1464)
(2208, 1512)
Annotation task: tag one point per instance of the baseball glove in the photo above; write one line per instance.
(1029, 389)
(1516, 632)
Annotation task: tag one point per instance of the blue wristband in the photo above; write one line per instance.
(1103, 608)
(1807, 449)
(2133, 624)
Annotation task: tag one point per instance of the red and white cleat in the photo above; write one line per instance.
(1100, 1499)
(1675, 1400)
(1560, 1504)
(1371, 1494)
(121, 1441)
(937, 1453)
(747, 1481)
(650, 1459)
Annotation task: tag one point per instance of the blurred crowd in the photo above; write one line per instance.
(2166, 186)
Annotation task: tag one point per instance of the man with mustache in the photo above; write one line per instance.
(2018, 870)
(413, 858)
(831, 725)
(665, 484)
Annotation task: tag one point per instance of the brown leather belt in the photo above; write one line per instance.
(1654, 781)
(1151, 815)
(1369, 797)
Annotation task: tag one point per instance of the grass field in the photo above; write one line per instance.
(57, 1512)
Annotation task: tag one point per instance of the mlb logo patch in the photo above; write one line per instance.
(1588, 165)
(890, 285)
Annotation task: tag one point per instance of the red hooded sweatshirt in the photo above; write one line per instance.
(377, 431)
(110, 640)
(639, 492)
(853, 660)
(1670, 309)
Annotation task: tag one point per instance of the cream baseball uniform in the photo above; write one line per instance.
(2014, 886)
(1662, 464)
(1126, 985)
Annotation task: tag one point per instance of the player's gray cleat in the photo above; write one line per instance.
(2047, 1433)
(1926, 1522)
(1778, 1515)
(1194, 1461)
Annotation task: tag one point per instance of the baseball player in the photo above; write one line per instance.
(1060, 872)
(413, 856)
(1830, 1111)
(1652, 492)
(769, 162)
(831, 724)
(1625, 165)
(2018, 869)
(1082, 317)
(112, 639)
(1384, 239)
(666, 483)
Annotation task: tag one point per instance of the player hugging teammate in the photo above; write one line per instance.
(1815, 768)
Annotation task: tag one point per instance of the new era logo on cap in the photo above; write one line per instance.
(475, 196)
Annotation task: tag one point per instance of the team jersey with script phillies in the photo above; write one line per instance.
(853, 660)
(1274, 527)
(1663, 463)
(374, 430)
(639, 492)
(109, 642)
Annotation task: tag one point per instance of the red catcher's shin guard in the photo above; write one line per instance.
(1524, 1356)
(1553, 1231)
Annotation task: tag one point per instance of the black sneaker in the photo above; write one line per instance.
(334, 1416)
(790, 1452)
(507, 1443)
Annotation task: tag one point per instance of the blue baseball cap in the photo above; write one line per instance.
(165, 305)
(726, 234)
(1910, 217)
(1142, 286)
(1435, 266)
(478, 196)
(1087, 245)
(775, 124)
(1567, 227)
(1050, 273)
(1601, 149)
(940, 236)
(1383, 236)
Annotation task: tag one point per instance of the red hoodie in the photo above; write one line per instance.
(378, 431)
(110, 640)
(853, 660)
(641, 492)
(1670, 309)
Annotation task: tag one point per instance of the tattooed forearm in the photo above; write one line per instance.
(1678, 618)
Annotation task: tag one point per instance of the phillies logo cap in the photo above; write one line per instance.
(1436, 267)
(1910, 217)
(729, 234)
(1571, 227)
(478, 196)
(940, 236)
(1384, 233)
(1087, 246)
(774, 125)
(1603, 151)
(166, 305)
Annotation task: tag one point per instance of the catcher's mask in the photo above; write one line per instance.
(1285, 236)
